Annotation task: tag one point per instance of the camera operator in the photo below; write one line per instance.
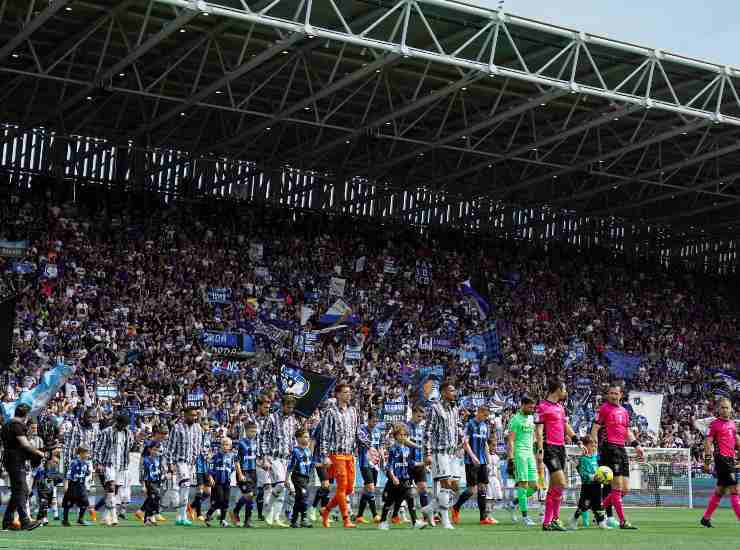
(17, 450)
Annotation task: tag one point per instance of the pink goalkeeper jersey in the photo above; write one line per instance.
(552, 416)
(616, 420)
(724, 434)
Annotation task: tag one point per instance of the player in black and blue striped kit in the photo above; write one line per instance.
(398, 469)
(246, 474)
(75, 486)
(475, 444)
(152, 478)
(222, 466)
(209, 447)
(369, 437)
(299, 471)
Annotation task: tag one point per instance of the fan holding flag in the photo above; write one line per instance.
(476, 301)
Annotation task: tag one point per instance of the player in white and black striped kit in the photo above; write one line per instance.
(277, 440)
(442, 440)
(262, 413)
(183, 448)
(111, 458)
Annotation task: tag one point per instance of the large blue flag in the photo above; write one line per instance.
(39, 396)
(622, 365)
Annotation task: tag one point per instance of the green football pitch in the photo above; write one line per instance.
(658, 529)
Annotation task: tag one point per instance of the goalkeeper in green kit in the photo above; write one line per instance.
(522, 465)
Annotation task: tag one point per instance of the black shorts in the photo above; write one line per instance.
(201, 479)
(554, 458)
(476, 474)
(419, 473)
(321, 473)
(724, 471)
(615, 456)
(249, 483)
(590, 498)
(369, 475)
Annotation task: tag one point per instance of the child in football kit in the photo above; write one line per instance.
(399, 484)
(222, 466)
(75, 487)
(299, 471)
(152, 477)
(246, 474)
(590, 498)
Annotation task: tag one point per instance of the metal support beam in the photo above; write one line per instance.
(254, 62)
(181, 20)
(28, 29)
(490, 19)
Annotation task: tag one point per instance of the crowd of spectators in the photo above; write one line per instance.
(130, 289)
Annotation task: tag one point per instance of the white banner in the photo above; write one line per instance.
(336, 286)
(649, 407)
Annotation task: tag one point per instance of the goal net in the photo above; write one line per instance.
(662, 478)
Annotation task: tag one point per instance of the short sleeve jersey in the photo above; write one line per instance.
(552, 416)
(615, 419)
(724, 436)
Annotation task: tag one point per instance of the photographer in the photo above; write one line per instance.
(17, 450)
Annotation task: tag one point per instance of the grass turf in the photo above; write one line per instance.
(658, 529)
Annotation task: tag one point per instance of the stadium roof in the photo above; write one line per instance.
(462, 102)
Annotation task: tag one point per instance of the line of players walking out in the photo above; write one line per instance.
(278, 457)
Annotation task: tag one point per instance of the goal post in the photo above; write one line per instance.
(662, 478)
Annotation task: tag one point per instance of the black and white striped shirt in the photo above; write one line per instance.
(338, 431)
(443, 430)
(78, 436)
(277, 438)
(113, 447)
(185, 443)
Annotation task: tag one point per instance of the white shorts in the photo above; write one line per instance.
(117, 477)
(278, 472)
(184, 473)
(444, 466)
(494, 491)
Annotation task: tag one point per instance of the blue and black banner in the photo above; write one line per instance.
(308, 387)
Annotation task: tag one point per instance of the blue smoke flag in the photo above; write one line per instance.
(308, 387)
(622, 365)
(38, 397)
(476, 300)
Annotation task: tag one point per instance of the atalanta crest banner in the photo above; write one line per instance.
(308, 387)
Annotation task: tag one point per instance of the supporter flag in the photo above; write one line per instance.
(38, 397)
(385, 320)
(646, 410)
(394, 410)
(339, 312)
(476, 300)
(622, 365)
(308, 387)
(228, 343)
(731, 382)
(219, 295)
(24, 268)
(428, 380)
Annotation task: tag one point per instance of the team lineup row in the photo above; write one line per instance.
(277, 456)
